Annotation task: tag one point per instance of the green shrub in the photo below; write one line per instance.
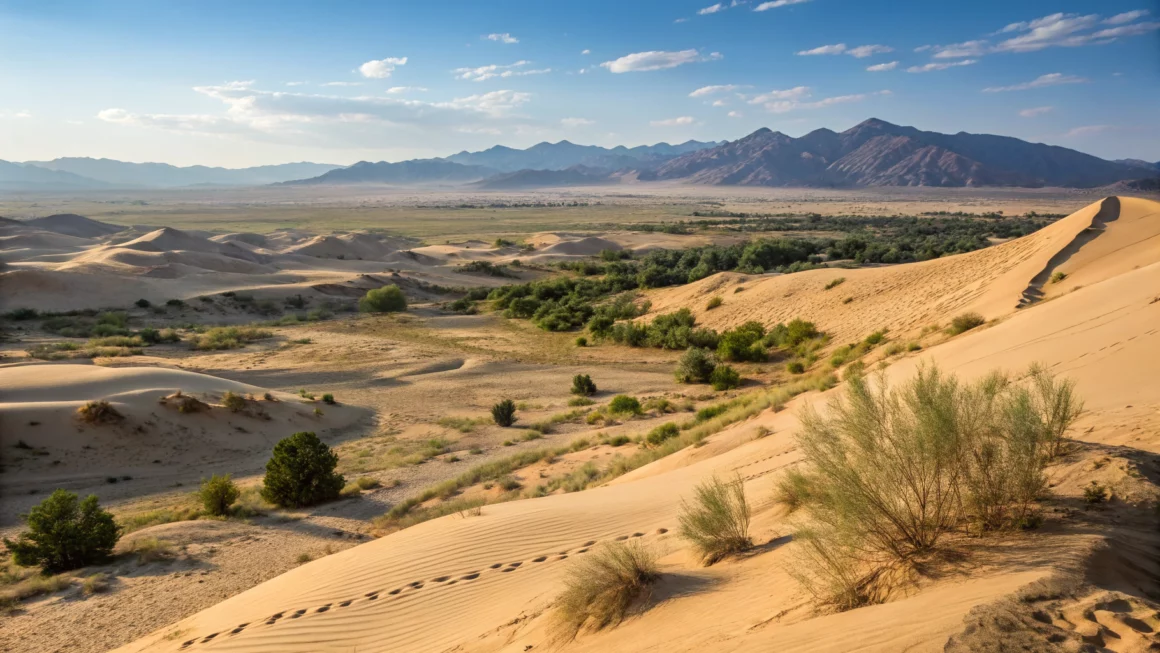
(724, 378)
(834, 283)
(234, 402)
(142, 303)
(624, 405)
(745, 343)
(65, 533)
(1095, 493)
(504, 413)
(714, 302)
(328, 398)
(1056, 277)
(580, 401)
(99, 412)
(663, 432)
(217, 494)
(602, 588)
(301, 472)
(388, 299)
(875, 338)
(582, 385)
(695, 366)
(795, 367)
(965, 322)
(581, 341)
(717, 520)
(221, 338)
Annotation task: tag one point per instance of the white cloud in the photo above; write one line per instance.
(1136, 29)
(395, 90)
(1056, 30)
(502, 38)
(657, 60)
(720, 103)
(923, 48)
(735, 114)
(673, 122)
(926, 68)
(1051, 79)
(493, 71)
(296, 83)
(837, 48)
(576, 122)
(16, 115)
(681, 20)
(343, 84)
(711, 9)
(585, 51)
(1087, 130)
(880, 67)
(859, 52)
(711, 90)
(765, 6)
(959, 50)
(381, 68)
(863, 51)
(797, 98)
(1034, 111)
(1126, 17)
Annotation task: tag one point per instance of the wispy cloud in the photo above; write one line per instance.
(1035, 111)
(493, 71)
(960, 50)
(1087, 130)
(296, 83)
(711, 9)
(1072, 30)
(784, 101)
(381, 68)
(936, 65)
(717, 88)
(882, 67)
(343, 84)
(657, 60)
(1126, 17)
(396, 90)
(576, 122)
(673, 122)
(16, 115)
(585, 51)
(1051, 79)
(859, 52)
(766, 6)
(502, 38)
(735, 114)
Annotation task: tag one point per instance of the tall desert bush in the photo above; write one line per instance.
(65, 533)
(605, 586)
(716, 521)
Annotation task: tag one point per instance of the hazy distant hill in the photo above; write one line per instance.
(124, 174)
(563, 155)
(16, 176)
(877, 153)
(574, 176)
(416, 171)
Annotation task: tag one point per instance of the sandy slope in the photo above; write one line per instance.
(483, 583)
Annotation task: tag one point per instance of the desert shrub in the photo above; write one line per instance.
(714, 302)
(21, 314)
(174, 302)
(234, 402)
(301, 472)
(889, 472)
(743, 343)
(504, 413)
(716, 521)
(217, 494)
(142, 303)
(151, 549)
(388, 299)
(695, 366)
(581, 341)
(790, 335)
(328, 398)
(95, 584)
(724, 377)
(580, 401)
(1095, 493)
(582, 385)
(793, 490)
(509, 484)
(600, 589)
(834, 283)
(795, 367)
(1057, 276)
(624, 405)
(965, 322)
(99, 412)
(65, 533)
(874, 339)
(1055, 404)
(220, 338)
(663, 432)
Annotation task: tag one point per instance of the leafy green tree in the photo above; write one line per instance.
(217, 494)
(695, 366)
(388, 299)
(301, 472)
(65, 533)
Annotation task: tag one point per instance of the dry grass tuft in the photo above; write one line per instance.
(99, 412)
(605, 587)
(716, 521)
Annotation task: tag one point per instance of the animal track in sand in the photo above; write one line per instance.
(444, 581)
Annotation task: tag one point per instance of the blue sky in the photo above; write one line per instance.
(252, 82)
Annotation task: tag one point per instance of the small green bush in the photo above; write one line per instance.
(328, 398)
(696, 366)
(965, 322)
(1058, 276)
(142, 303)
(795, 367)
(624, 405)
(388, 299)
(234, 402)
(835, 283)
(665, 431)
(217, 494)
(714, 303)
(65, 533)
(582, 385)
(581, 341)
(1095, 493)
(717, 520)
(301, 472)
(504, 413)
(724, 378)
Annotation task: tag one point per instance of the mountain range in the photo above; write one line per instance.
(872, 153)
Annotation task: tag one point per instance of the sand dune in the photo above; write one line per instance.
(485, 583)
(74, 225)
(167, 239)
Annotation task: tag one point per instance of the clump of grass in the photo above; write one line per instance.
(151, 549)
(1095, 493)
(99, 412)
(235, 403)
(716, 521)
(625, 405)
(220, 338)
(964, 322)
(185, 403)
(714, 302)
(601, 589)
(1057, 276)
(304, 558)
(97, 583)
(504, 413)
(834, 283)
(580, 401)
(463, 424)
(328, 398)
(137, 521)
(19, 584)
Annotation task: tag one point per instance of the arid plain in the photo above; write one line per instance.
(478, 559)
